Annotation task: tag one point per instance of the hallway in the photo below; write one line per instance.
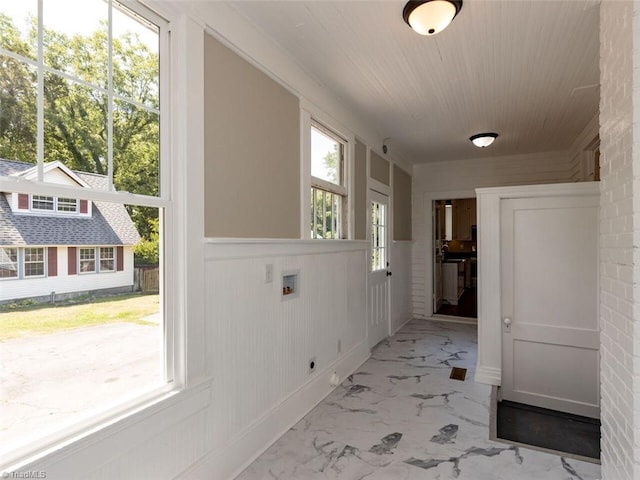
(401, 417)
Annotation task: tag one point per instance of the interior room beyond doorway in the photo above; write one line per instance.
(455, 258)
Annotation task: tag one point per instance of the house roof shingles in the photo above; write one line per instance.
(109, 223)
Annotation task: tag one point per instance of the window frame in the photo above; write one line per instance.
(311, 117)
(112, 259)
(42, 199)
(177, 200)
(26, 262)
(92, 259)
(16, 263)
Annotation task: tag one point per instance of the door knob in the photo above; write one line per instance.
(507, 325)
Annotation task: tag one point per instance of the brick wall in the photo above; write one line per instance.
(620, 239)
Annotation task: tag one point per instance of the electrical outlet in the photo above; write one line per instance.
(312, 365)
(339, 345)
(268, 273)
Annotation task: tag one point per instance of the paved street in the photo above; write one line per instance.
(47, 380)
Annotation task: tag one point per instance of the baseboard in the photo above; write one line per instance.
(401, 326)
(488, 375)
(251, 442)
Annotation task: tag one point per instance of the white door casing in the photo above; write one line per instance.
(379, 292)
(549, 297)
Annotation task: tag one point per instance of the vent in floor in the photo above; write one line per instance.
(458, 373)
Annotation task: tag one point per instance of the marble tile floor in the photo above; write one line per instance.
(400, 417)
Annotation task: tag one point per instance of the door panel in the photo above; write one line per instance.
(549, 292)
(379, 292)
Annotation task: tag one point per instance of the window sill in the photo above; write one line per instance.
(92, 431)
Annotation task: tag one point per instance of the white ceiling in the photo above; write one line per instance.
(527, 70)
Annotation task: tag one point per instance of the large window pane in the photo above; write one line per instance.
(135, 50)
(105, 348)
(325, 157)
(77, 43)
(18, 21)
(135, 149)
(18, 110)
(75, 129)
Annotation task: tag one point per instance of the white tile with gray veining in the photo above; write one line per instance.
(400, 416)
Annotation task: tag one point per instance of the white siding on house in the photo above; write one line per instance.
(460, 179)
(620, 239)
(63, 283)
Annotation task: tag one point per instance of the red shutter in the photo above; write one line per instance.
(23, 201)
(72, 262)
(84, 207)
(52, 262)
(119, 259)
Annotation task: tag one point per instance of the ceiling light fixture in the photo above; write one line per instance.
(483, 140)
(428, 17)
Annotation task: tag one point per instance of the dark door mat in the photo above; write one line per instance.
(545, 428)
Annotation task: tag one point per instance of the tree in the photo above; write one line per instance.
(76, 116)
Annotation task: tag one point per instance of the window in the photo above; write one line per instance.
(8, 262)
(107, 259)
(89, 96)
(87, 260)
(40, 202)
(67, 205)
(328, 190)
(378, 236)
(34, 262)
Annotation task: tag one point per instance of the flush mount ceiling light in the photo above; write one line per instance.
(483, 140)
(429, 17)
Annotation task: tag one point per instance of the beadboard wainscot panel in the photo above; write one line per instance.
(260, 343)
(459, 179)
(401, 291)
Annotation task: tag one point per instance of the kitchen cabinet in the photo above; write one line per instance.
(453, 280)
(464, 216)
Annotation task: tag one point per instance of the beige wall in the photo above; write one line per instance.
(252, 150)
(379, 168)
(401, 204)
(360, 192)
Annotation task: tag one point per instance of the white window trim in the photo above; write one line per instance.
(113, 258)
(182, 198)
(55, 211)
(80, 260)
(43, 210)
(24, 263)
(310, 115)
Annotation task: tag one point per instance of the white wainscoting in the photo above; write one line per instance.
(260, 344)
(400, 284)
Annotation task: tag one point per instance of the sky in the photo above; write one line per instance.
(77, 17)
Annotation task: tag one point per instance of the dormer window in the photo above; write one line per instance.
(41, 202)
(67, 205)
(44, 203)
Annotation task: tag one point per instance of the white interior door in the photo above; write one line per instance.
(379, 308)
(550, 333)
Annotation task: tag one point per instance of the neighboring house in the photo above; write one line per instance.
(61, 246)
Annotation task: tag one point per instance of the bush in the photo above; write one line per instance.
(147, 250)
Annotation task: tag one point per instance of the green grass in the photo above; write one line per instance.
(45, 318)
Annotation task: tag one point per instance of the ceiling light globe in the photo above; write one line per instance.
(483, 140)
(430, 17)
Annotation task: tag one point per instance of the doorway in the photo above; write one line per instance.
(379, 291)
(455, 254)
